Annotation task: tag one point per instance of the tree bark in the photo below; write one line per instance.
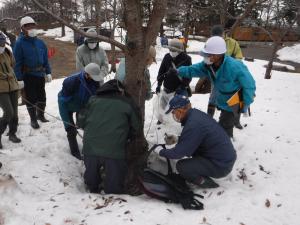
(276, 45)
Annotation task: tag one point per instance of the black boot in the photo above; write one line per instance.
(13, 138)
(237, 123)
(71, 135)
(211, 110)
(41, 112)
(32, 113)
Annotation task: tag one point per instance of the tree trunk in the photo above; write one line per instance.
(276, 45)
(98, 18)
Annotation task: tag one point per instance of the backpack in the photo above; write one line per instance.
(170, 188)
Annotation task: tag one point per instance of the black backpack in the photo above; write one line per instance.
(170, 188)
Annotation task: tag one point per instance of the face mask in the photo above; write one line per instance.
(2, 49)
(32, 33)
(207, 61)
(92, 45)
(174, 54)
(175, 118)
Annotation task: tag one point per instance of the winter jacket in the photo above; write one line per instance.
(85, 56)
(121, 73)
(233, 48)
(109, 121)
(230, 77)
(8, 80)
(170, 80)
(31, 56)
(74, 95)
(202, 136)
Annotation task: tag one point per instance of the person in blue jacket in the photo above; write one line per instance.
(228, 76)
(209, 149)
(75, 93)
(33, 68)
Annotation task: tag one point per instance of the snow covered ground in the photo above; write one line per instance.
(47, 186)
(290, 53)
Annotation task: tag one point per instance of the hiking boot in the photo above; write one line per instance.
(238, 126)
(41, 112)
(205, 182)
(13, 138)
(71, 135)
(32, 113)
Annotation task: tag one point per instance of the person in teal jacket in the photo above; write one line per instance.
(228, 76)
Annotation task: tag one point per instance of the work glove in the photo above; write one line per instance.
(158, 148)
(157, 90)
(244, 110)
(170, 139)
(48, 78)
(21, 84)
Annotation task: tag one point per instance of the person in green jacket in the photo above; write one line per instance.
(109, 121)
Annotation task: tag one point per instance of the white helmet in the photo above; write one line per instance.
(26, 20)
(214, 46)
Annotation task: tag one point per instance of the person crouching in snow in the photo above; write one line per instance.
(75, 93)
(204, 141)
(110, 121)
(171, 82)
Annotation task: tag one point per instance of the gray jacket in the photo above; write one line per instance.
(84, 56)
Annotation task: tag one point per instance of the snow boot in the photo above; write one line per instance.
(13, 138)
(205, 182)
(237, 123)
(71, 135)
(41, 112)
(32, 113)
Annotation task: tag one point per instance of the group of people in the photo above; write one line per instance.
(108, 115)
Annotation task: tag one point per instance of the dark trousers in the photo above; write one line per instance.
(9, 105)
(226, 121)
(193, 168)
(115, 171)
(34, 88)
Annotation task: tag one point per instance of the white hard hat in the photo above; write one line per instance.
(26, 20)
(214, 46)
(94, 71)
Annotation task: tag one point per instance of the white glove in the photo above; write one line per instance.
(158, 149)
(21, 84)
(48, 78)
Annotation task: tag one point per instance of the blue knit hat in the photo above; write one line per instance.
(2, 38)
(178, 101)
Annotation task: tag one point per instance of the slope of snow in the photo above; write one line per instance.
(48, 188)
(290, 53)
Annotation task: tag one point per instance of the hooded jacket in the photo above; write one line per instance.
(74, 95)
(84, 56)
(230, 77)
(31, 56)
(8, 80)
(109, 121)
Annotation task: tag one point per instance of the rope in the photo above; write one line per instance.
(55, 117)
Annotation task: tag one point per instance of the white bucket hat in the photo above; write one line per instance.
(214, 46)
(94, 71)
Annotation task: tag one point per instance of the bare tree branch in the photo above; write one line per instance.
(20, 17)
(74, 28)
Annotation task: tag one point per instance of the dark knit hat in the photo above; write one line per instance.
(217, 30)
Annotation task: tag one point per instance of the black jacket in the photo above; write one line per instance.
(171, 81)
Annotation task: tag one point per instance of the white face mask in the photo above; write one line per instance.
(175, 118)
(174, 54)
(32, 33)
(207, 61)
(92, 45)
(2, 49)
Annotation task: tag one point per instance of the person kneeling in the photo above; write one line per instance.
(109, 122)
(204, 141)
